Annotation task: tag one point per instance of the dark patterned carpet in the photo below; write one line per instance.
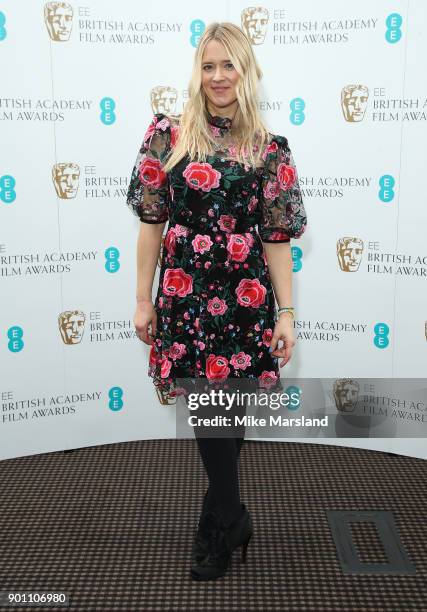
(113, 525)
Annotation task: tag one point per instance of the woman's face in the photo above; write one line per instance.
(219, 77)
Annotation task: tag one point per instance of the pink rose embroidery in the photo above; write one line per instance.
(271, 148)
(170, 241)
(238, 247)
(227, 223)
(165, 367)
(163, 124)
(216, 306)
(241, 361)
(271, 190)
(286, 176)
(177, 282)
(201, 243)
(267, 379)
(151, 172)
(217, 367)
(267, 336)
(250, 292)
(177, 351)
(201, 175)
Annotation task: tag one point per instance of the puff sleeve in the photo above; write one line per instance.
(283, 214)
(148, 192)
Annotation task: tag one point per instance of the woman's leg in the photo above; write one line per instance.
(210, 501)
(220, 458)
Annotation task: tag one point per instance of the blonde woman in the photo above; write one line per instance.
(229, 190)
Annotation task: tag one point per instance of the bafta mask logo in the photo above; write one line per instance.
(65, 177)
(165, 398)
(58, 17)
(349, 253)
(354, 99)
(254, 23)
(163, 99)
(71, 326)
(346, 394)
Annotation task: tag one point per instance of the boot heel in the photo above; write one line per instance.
(245, 549)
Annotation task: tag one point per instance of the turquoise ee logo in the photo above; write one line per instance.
(381, 331)
(393, 32)
(112, 263)
(107, 106)
(296, 254)
(197, 27)
(294, 393)
(115, 395)
(15, 343)
(7, 189)
(3, 32)
(386, 192)
(297, 106)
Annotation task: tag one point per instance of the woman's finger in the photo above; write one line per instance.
(288, 355)
(289, 344)
(142, 332)
(285, 351)
(154, 327)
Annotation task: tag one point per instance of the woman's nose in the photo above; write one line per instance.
(218, 74)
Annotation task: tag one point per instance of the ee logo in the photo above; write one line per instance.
(7, 189)
(381, 331)
(296, 254)
(386, 192)
(393, 32)
(297, 116)
(197, 27)
(3, 32)
(293, 391)
(112, 263)
(107, 106)
(15, 343)
(115, 395)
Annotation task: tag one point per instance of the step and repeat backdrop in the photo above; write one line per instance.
(80, 82)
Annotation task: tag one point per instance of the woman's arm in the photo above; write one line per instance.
(283, 217)
(279, 260)
(280, 264)
(147, 254)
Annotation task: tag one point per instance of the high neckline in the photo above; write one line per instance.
(220, 122)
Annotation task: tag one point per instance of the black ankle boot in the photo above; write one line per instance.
(223, 541)
(207, 522)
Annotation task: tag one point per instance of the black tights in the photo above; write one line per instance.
(220, 458)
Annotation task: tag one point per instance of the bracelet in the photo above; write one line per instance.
(289, 309)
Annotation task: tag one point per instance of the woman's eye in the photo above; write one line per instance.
(229, 65)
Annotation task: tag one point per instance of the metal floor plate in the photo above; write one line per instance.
(398, 560)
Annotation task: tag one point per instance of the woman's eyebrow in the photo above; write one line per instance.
(210, 62)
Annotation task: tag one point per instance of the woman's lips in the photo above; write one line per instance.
(219, 89)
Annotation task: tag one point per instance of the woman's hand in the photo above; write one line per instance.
(283, 330)
(145, 317)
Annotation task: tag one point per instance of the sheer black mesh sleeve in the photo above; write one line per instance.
(148, 193)
(282, 207)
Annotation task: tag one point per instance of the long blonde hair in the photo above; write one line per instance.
(195, 137)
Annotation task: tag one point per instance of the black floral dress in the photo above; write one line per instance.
(215, 302)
